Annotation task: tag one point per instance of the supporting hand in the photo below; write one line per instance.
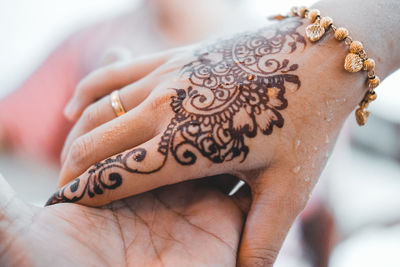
(190, 224)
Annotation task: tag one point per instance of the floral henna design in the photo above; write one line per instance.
(237, 89)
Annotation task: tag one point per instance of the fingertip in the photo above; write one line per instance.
(71, 111)
(65, 194)
(52, 200)
(79, 191)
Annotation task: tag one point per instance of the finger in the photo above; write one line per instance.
(275, 205)
(127, 131)
(103, 81)
(132, 172)
(101, 111)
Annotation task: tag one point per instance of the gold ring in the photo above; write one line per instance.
(116, 103)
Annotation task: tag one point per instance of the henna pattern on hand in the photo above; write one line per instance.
(237, 89)
(97, 182)
(100, 178)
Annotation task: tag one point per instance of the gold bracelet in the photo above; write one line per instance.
(355, 60)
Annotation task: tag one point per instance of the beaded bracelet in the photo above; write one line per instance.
(355, 60)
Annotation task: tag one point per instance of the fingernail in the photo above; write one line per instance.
(70, 110)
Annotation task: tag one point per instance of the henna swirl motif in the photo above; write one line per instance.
(237, 89)
(99, 178)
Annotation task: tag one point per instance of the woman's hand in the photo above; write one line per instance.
(190, 224)
(218, 109)
(262, 106)
(266, 106)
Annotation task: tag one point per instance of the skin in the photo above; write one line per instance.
(165, 227)
(279, 189)
(279, 193)
(281, 168)
(88, 49)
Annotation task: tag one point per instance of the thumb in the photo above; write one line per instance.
(276, 203)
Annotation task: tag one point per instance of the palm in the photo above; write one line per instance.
(191, 224)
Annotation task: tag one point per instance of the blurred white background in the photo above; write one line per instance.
(363, 177)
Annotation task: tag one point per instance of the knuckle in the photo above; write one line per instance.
(79, 152)
(87, 89)
(160, 101)
(112, 71)
(89, 116)
(259, 257)
(115, 72)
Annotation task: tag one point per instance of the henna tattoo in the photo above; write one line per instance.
(96, 183)
(237, 89)
(101, 176)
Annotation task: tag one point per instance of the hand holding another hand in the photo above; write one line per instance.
(265, 106)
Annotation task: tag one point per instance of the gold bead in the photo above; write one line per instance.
(314, 32)
(353, 62)
(356, 47)
(302, 11)
(361, 116)
(369, 64)
(371, 96)
(341, 33)
(374, 82)
(313, 14)
(326, 22)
